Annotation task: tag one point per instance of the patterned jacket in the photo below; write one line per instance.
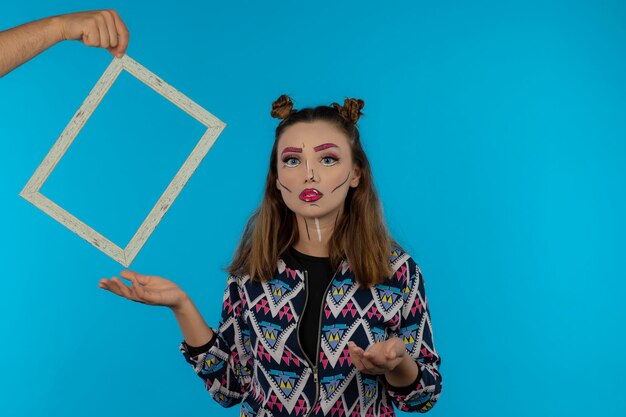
(257, 359)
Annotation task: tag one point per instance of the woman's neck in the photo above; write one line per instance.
(314, 234)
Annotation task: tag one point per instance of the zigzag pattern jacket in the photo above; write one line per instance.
(257, 361)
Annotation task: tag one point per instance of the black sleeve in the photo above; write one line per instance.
(196, 350)
(406, 390)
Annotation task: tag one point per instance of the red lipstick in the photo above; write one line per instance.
(310, 195)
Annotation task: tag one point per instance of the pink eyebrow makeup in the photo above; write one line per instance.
(325, 146)
(291, 149)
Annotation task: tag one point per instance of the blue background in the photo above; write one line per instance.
(498, 142)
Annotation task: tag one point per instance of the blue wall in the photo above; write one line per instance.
(498, 140)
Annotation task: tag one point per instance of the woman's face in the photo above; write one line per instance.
(315, 169)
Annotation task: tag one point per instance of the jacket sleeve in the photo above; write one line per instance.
(416, 331)
(225, 365)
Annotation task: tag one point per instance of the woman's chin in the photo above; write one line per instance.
(313, 212)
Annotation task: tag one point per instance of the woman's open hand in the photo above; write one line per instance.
(147, 289)
(379, 358)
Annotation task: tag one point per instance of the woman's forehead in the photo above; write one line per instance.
(312, 135)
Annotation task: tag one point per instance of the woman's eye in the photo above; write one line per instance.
(329, 160)
(291, 162)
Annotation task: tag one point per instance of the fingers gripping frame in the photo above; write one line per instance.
(127, 255)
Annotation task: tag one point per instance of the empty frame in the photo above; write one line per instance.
(31, 189)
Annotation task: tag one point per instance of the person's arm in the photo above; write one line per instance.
(101, 28)
(195, 330)
(220, 359)
(406, 374)
(417, 334)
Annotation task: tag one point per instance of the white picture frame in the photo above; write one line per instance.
(125, 256)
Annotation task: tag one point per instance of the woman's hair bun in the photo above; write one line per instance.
(282, 107)
(351, 109)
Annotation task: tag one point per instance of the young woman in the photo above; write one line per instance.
(323, 313)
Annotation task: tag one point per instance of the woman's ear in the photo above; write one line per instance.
(356, 177)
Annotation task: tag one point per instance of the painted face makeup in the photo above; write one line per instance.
(315, 172)
(317, 225)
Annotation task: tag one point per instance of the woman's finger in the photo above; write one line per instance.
(355, 350)
(376, 352)
(357, 363)
(369, 366)
(376, 359)
(356, 347)
(116, 287)
(112, 287)
(136, 297)
(142, 279)
(123, 288)
(104, 285)
(356, 358)
(360, 359)
(132, 294)
(395, 350)
(141, 293)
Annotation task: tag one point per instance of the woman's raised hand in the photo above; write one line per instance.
(380, 358)
(147, 289)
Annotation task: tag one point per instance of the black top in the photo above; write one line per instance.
(319, 275)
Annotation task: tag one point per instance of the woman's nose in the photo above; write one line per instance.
(310, 173)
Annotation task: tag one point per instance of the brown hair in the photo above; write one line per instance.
(360, 235)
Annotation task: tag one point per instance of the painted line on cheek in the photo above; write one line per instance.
(346, 180)
(283, 185)
(317, 225)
